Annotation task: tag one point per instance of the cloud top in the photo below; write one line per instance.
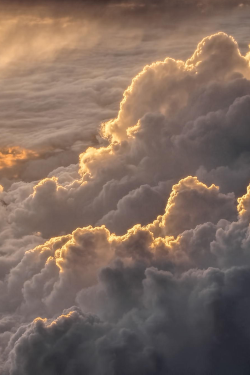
(139, 262)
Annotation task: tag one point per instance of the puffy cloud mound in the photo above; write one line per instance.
(147, 303)
(155, 279)
(176, 119)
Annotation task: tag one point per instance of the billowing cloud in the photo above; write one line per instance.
(153, 302)
(48, 52)
(176, 119)
(137, 260)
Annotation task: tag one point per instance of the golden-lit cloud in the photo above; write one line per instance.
(11, 156)
(33, 37)
(130, 256)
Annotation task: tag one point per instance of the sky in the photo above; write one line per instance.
(124, 187)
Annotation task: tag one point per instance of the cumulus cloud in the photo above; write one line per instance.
(64, 69)
(155, 303)
(176, 119)
(137, 260)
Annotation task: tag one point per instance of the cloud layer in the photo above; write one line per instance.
(153, 302)
(65, 73)
(155, 278)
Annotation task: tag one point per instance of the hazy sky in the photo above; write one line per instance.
(124, 187)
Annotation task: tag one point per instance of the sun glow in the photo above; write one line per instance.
(11, 156)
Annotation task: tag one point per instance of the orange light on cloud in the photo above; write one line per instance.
(10, 156)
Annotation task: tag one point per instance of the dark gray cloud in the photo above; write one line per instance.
(125, 12)
(136, 5)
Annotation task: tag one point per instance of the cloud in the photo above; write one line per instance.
(176, 119)
(132, 262)
(47, 75)
(157, 305)
(136, 6)
(13, 155)
(54, 272)
(64, 72)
